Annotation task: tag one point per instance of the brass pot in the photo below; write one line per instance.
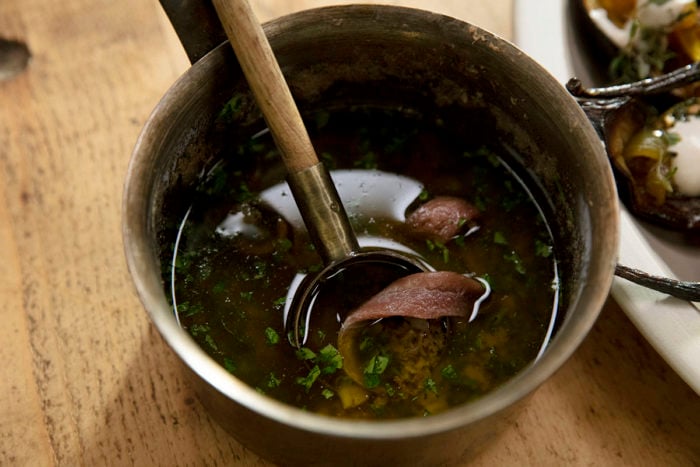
(382, 55)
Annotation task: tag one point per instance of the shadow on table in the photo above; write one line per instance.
(156, 419)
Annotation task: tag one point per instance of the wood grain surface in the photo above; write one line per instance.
(86, 379)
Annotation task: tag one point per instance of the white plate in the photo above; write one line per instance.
(672, 326)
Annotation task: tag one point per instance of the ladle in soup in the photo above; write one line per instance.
(313, 190)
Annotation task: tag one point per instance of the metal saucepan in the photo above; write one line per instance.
(387, 56)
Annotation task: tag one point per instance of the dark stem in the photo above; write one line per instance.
(680, 289)
(650, 86)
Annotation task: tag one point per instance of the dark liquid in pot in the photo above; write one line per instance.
(236, 257)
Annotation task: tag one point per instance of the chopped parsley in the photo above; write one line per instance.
(229, 365)
(232, 108)
(374, 370)
(185, 309)
(499, 238)
(273, 381)
(305, 353)
(309, 380)
(327, 361)
(542, 249)
(449, 372)
(330, 360)
(271, 336)
(514, 258)
(439, 247)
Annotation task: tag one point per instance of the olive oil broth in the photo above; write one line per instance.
(236, 256)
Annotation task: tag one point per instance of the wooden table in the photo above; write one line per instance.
(86, 379)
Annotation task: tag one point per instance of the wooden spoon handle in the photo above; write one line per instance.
(267, 83)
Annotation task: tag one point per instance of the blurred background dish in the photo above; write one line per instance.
(656, 153)
(671, 326)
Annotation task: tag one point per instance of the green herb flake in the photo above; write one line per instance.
(271, 336)
(445, 252)
(542, 249)
(634, 28)
(309, 380)
(517, 262)
(371, 380)
(210, 341)
(243, 193)
(330, 359)
(273, 381)
(282, 245)
(430, 385)
(255, 146)
(449, 373)
(247, 295)
(499, 238)
(279, 302)
(305, 353)
(374, 369)
(229, 365)
(671, 138)
(231, 108)
(493, 159)
(439, 247)
(367, 343)
(186, 310)
(183, 262)
(198, 329)
(260, 270)
(327, 393)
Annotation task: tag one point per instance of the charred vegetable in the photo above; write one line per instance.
(657, 158)
(653, 149)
